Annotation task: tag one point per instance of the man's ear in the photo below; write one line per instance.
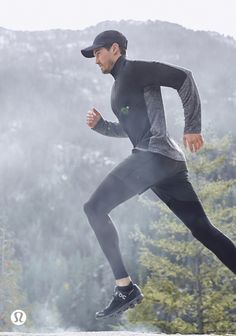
(115, 48)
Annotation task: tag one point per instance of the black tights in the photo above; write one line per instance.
(178, 194)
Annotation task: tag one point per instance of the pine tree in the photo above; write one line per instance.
(187, 289)
(11, 297)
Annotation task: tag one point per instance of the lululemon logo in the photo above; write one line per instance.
(125, 110)
(18, 317)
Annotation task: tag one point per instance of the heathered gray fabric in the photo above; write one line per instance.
(160, 141)
(109, 128)
(191, 104)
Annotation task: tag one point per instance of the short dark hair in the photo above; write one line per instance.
(122, 50)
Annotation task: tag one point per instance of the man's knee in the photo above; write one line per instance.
(87, 208)
(94, 208)
(203, 229)
(194, 217)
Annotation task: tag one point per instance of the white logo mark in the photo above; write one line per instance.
(18, 317)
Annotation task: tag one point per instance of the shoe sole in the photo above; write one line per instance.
(128, 305)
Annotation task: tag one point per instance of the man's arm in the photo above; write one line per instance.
(189, 95)
(155, 73)
(98, 124)
(112, 129)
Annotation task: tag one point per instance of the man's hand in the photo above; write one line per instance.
(93, 116)
(193, 141)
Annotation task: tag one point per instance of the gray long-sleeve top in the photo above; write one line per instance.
(137, 103)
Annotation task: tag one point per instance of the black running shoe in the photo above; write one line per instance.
(121, 302)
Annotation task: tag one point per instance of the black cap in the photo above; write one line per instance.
(106, 38)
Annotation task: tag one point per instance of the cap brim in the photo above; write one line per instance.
(88, 52)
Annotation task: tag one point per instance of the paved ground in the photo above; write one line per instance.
(89, 333)
(94, 333)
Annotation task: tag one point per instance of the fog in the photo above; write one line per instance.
(51, 162)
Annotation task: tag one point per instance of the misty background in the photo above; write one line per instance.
(51, 161)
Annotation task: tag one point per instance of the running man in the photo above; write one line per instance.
(156, 160)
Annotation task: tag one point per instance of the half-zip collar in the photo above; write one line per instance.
(118, 66)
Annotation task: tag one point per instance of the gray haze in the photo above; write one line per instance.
(213, 15)
(51, 161)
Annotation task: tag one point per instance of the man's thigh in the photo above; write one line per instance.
(111, 192)
(179, 195)
(132, 176)
(176, 187)
(143, 169)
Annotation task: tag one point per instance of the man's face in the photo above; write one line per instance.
(105, 58)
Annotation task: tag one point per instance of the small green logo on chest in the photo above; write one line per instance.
(124, 110)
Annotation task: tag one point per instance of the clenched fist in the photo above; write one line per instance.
(93, 116)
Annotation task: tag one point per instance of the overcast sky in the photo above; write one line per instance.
(214, 15)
